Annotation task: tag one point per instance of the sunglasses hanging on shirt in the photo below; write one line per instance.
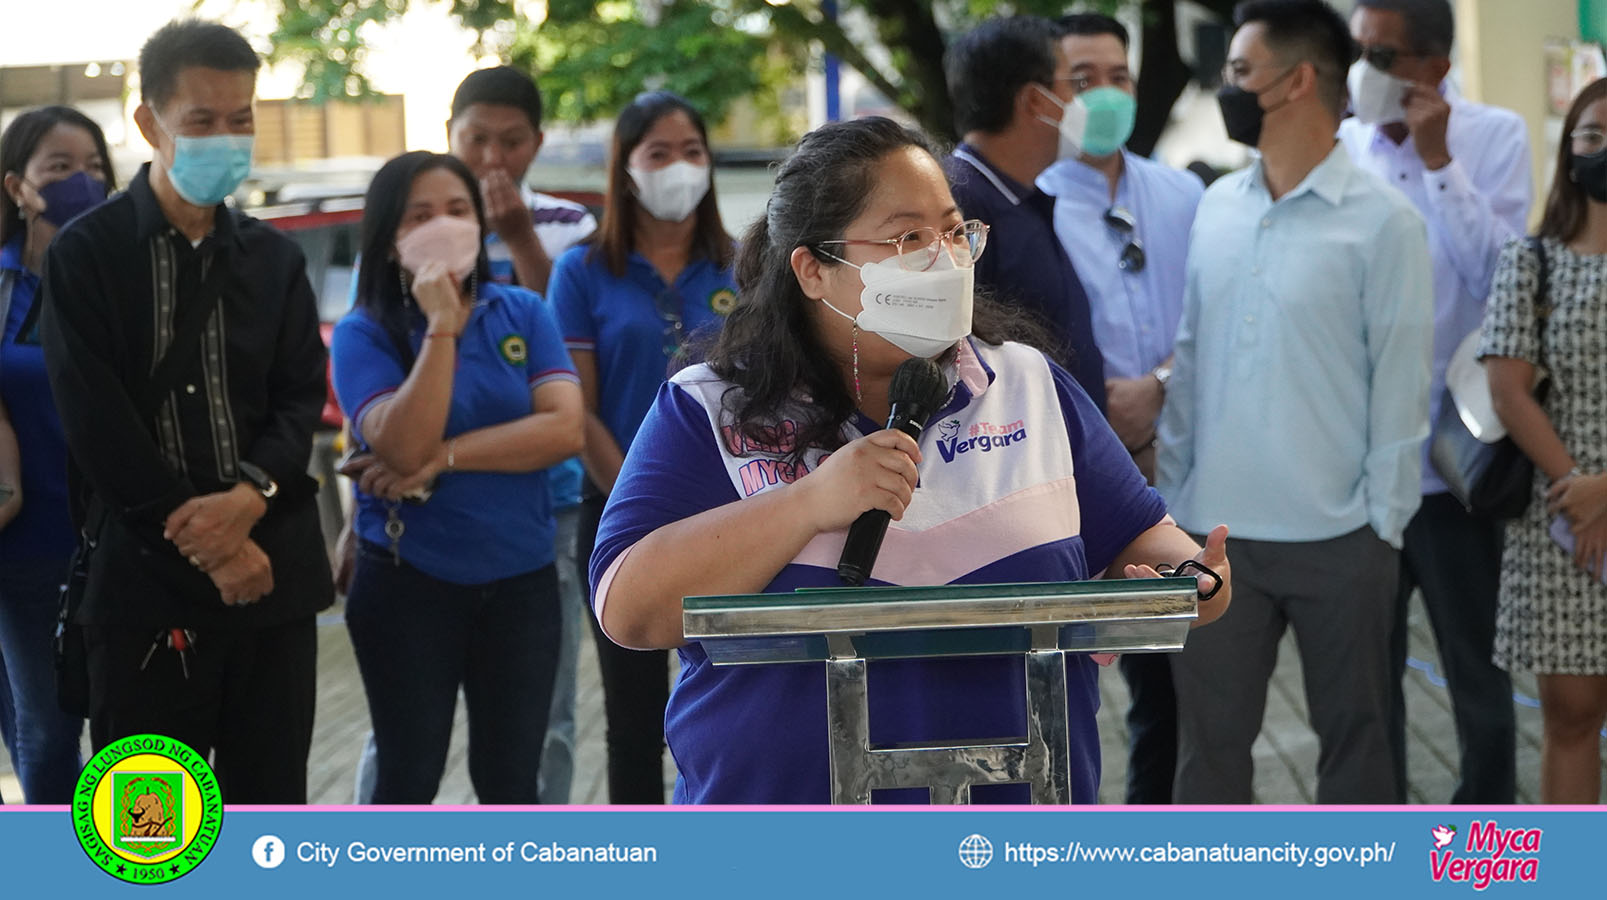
(1122, 222)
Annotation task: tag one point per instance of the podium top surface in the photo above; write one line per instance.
(825, 611)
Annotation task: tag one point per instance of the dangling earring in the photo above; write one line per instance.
(858, 397)
(407, 294)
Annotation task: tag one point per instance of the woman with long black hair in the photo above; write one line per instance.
(658, 269)
(462, 391)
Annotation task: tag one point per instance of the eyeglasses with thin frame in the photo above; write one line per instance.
(1589, 138)
(1122, 222)
(668, 305)
(918, 248)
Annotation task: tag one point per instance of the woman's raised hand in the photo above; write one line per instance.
(439, 298)
(875, 472)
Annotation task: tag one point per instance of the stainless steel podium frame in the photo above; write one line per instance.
(846, 628)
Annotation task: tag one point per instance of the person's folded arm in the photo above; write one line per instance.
(109, 439)
(380, 396)
(546, 437)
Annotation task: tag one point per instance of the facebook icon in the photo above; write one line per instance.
(268, 851)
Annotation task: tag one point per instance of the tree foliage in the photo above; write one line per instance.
(593, 57)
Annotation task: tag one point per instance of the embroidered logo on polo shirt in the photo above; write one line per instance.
(514, 350)
(982, 437)
(723, 301)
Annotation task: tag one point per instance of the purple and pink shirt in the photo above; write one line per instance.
(1013, 466)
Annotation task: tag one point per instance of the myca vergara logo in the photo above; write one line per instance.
(1491, 854)
(147, 809)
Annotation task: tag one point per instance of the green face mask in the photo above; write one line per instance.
(1111, 113)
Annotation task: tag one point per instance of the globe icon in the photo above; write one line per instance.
(976, 852)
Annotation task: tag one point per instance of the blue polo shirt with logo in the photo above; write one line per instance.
(618, 318)
(478, 527)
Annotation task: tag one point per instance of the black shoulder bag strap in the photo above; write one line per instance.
(1542, 309)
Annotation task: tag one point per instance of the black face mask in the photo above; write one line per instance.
(1589, 171)
(1242, 113)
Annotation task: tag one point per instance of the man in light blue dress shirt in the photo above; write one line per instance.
(1296, 413)
(1465, 167)
(1124, 221)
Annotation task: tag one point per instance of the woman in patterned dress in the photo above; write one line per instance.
(1552, 618)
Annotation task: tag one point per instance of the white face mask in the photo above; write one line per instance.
(672, 193)
(921, 313)
(1375, 95)
(1072, 124)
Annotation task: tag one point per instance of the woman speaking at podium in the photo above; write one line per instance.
(750, 467)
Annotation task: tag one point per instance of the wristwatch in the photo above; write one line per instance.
(1163, 374)
(260, 479)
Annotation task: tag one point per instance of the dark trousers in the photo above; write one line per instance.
(44, 749)
(418, 639)
(1338, 595)
(247, 700)
(1454, 558)
(1151, 727)
(636, 688)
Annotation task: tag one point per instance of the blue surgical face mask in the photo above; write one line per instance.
(207, 169)
(70, 196)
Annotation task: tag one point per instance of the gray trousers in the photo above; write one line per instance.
(1339, 597)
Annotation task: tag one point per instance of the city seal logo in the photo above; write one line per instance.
(147, 809)
(514, 350)
(723, 301)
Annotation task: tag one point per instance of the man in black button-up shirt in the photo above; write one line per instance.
(182, 343)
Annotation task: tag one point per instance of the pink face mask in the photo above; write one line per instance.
(452, 241)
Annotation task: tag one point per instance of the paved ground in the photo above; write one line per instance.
(1285, 753)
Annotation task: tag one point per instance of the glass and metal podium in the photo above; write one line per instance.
(844, 628)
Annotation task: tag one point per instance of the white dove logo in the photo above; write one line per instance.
(1443, 835)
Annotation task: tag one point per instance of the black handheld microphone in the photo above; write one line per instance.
(917, 392)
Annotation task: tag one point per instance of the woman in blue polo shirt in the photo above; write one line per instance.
(55, 166)
(657, 270)
(461, 389)
(749, 469)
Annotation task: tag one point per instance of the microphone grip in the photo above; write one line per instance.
(863, 544)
